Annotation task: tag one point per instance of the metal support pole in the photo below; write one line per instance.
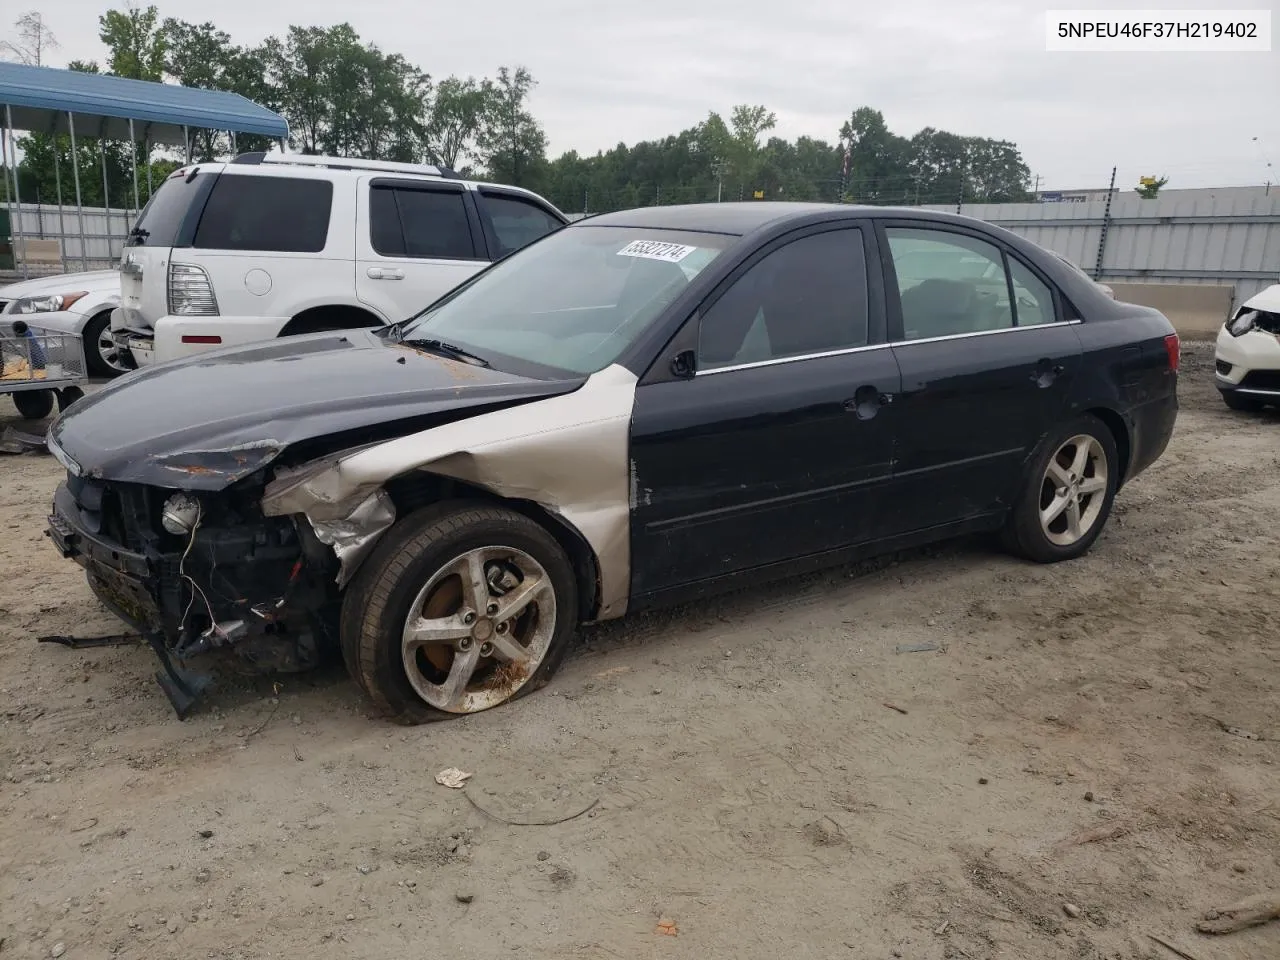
(15, 201)
(146, 151)
(106, 194)
(1106, 222)
(232, 134)
(186, 142)
(57, 181)
(75, 171)
(133, 159)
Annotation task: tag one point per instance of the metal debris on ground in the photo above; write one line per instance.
(453, 778)
(1252, 912)
(17, 442)
(927, 647)
(80, 643)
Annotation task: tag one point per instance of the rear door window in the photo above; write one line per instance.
(428, 224)
(161, 219)
(516, 222)
(274, 214)
(948, 283)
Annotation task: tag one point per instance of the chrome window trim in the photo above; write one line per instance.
(775, 361)
(881, 346)
(987, 333)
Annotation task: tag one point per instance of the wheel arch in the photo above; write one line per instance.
(330, 316)
(418, 488)
(1120, 434)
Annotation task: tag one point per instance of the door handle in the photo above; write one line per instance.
(385, 273)
(1046, 372)
(867, 401)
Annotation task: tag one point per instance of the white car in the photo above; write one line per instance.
(272, 245)
(79, 303)
(1247, 358)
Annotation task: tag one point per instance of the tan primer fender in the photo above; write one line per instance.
(570, 454)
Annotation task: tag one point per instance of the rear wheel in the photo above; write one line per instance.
(461, 607)
(1237, 402)
(1067, 494)
(34, 404)
(101, 354)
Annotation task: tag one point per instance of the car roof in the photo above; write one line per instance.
(732, 218)
(741, 218)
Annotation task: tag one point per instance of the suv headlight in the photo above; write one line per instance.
(51, 303)
(190, 292)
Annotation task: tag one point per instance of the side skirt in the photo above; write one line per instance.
(701, 589)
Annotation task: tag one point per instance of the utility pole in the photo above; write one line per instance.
(1036, 190)
(1106, 222)
(960, 194)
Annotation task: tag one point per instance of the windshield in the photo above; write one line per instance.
(573, 301)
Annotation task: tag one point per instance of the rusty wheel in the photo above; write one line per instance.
(478, 629)
(461, 607)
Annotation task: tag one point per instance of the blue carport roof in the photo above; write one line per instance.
(41, 97)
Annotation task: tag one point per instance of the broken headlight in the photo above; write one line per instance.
(180, 514)
(1243, 323)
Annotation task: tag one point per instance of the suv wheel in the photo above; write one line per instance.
(1067, 493)
(461, 607)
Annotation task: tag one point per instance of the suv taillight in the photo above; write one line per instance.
(190, 292)
(1173, 347)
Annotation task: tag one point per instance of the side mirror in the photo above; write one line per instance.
(684, 364)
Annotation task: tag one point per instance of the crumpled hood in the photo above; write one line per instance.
(1268, 299)
(204, 422)
(93, 282)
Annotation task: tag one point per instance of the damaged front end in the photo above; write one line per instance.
(205, 577)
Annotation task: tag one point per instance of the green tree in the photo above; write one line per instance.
(1148, 188)
(511, 142)
(456, 120)
(135, 41)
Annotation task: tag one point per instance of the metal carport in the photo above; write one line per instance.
(54, 101)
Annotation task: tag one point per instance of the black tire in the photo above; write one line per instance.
(1243, 404)
(1023, 533)
(378, 600)
(94, 360)
(34, 404)
(69, 395)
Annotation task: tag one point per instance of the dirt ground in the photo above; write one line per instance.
(747, 782)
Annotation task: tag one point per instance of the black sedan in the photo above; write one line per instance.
(642, 407)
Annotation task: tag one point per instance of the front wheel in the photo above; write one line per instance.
(1067, 494)
(460, 608)
(1242, 404)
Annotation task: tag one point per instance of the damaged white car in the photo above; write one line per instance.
(1247, 357)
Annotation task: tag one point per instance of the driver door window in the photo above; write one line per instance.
(807, 297)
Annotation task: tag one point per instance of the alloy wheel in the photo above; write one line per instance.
(479, 629)
(1074, 490)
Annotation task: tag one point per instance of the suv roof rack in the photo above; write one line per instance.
(345, 163)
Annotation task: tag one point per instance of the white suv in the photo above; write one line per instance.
(280, 244)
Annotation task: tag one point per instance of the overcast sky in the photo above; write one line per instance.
(612, 71)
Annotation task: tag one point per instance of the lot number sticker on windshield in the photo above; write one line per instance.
(656, 250)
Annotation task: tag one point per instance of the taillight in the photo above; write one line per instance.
(1173, 347)
(190, 292)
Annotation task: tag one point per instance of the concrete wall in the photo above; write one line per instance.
(1196, 310)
